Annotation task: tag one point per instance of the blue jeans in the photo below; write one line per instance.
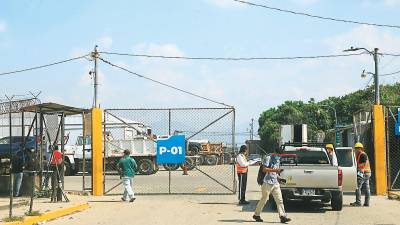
(363, 181)
(128, 183)
(17, 183)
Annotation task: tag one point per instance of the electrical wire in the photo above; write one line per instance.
(390, 54)
(367, 84)
(315, 16)
(389, 74)
(233, 58)
(163, 84)
(42, 66)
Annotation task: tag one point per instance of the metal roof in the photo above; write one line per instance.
(54, 108)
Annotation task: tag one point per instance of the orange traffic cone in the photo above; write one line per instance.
(185, 170)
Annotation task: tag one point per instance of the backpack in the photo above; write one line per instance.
(261, 174)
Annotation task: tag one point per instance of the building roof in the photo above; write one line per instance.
(54, 108)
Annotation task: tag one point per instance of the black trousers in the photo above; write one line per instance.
(242, 177)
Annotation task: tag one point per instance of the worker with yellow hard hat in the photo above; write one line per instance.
(363, 175)
(331, 154)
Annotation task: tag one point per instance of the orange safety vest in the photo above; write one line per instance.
(366, 167)
(240, 169)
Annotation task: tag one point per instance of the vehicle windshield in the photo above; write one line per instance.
(345, 157)
(6, 140)
(305, 157)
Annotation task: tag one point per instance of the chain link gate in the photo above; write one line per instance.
(210, 149)
(392, 148)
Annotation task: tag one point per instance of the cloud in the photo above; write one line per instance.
(226, 4)
(366, 37)
(104, 42)
(3, 26)
(77, 52)
(392, 2)
(159, 49)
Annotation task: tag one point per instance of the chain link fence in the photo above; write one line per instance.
(210, 152)
(363, 129)
(393, 148)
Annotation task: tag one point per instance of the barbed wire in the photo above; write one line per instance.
(17, 105)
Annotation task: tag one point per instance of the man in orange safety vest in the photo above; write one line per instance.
(242, 165)
(363, 175)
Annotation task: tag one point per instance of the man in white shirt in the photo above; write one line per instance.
(242, 165)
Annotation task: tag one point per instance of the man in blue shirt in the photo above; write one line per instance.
(271, 186)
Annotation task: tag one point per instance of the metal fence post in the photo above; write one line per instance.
(169, 133)
(233, 148)
(11, 159)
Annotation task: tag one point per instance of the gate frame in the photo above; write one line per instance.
(169, 110)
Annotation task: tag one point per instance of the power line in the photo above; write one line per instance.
(42, 66)
(390, 74)
(233, 58)
(390, 54)
(164, 84)
(315, 16)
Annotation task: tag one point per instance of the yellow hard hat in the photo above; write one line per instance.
(358, 145)
(329, 146)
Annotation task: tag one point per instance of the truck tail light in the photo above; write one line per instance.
(340, 177)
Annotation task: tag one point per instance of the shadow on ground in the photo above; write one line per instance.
(291, 207)
(243, 221)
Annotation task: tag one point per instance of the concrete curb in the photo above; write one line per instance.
(394, 195)
(51, 215)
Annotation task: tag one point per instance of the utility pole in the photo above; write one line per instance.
(376, 78)
(252, 129)
(375, 54)
(95, 54)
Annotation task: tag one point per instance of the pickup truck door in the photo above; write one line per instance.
(347, 161)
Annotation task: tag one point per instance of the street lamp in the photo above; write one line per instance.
(376, 76)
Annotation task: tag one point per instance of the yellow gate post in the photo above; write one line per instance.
(380, 150)
(97, 152)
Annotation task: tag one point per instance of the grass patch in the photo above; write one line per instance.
(33, 213)
(13, 219)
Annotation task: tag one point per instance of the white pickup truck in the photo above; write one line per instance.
(310, 175)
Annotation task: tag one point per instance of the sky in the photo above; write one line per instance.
(37, 32)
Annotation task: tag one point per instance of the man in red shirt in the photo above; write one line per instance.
(55, 166)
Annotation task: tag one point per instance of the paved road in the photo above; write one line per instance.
(221, 209)
(210, 210)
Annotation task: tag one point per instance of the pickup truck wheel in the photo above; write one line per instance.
(171, 167)
(146, 167)
(337, 201)
(211, 160)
